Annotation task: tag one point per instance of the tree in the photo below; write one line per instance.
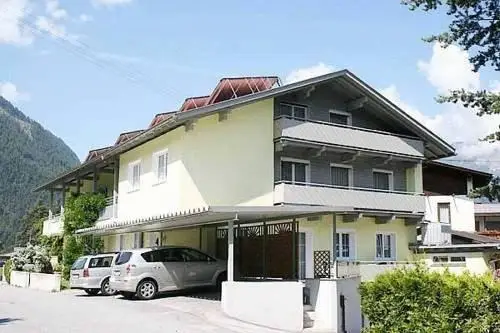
(490, 191)
(475, 26)
(32, 225)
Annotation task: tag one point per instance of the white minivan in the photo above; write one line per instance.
(91, 273)
(146, 272)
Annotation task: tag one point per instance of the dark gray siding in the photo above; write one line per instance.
(324, 98)
(362, 168)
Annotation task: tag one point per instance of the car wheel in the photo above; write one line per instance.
(147, 290)
(106, 290)
(92, 292)
(221, 278)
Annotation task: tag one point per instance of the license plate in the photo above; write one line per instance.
(117, 273)
(75, 276)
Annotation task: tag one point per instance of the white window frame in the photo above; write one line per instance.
(155, 158)
(394, 249)
(439, 213)
(297, 160)
(306, 111)
(391, 177)
(352, 250)
(341, 113)
(131, 167)
(350, 172)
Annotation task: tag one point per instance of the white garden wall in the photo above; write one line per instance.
(274, 304)
(45, 282)
(20, 279)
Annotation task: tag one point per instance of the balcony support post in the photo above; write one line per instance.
(94, 180)
(230, 249)
(51, 204)
(335, 272)
(116, 169)
(63, 198)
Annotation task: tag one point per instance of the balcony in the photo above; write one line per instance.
(359, 198)
(109, 211)
(434, 233)
(53, 225)
(346, 137)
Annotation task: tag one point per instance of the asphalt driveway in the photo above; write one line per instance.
(31, 311)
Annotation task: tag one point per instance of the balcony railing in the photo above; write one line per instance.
(435, 233)
(110, 210)
(342, 136)
(369, 270)
(359, 198)
(53, 225)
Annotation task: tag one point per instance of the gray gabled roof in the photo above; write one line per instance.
(434, 143)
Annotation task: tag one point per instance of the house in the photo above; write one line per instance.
(290, 183)
(448, 238)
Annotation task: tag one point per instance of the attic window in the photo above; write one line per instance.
(340, 117)
(293, 110)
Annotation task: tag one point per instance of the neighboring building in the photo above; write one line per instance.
(448, 238)
(306, 176)
(488, 218)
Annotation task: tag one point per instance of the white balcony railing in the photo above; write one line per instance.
(347, 136)
(53, 225)
(435, 233)
(368, 270)
(110, 210)
(359, 198)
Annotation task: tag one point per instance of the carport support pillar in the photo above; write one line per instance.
(230, 249)
(335, 272)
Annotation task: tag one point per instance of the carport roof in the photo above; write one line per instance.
(212, 215)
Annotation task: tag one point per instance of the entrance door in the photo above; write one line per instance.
(305, 255)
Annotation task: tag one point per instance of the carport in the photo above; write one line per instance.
(260, 244)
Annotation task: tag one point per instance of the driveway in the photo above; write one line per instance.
(31, 311)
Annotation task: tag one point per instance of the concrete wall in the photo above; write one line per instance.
(45, 282)
(475, 263)
(325, 299)
(271, 304)
(461, 209)
(20, 279)
(364, 230)
(226, 162)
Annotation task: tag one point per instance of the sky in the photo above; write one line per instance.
(88, 70)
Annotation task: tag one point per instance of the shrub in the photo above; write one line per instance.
(418, 301)
(73, 249)
(32, 258)
(7, 268)
(82, 211)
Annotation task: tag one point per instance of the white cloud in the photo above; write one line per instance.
(12, 29)
(46, 24)
(118, 58)
(457, 125)
(10, 92)
(449, 68)
(54, 11)
(308, 72)
(110, 3)
(85, 18)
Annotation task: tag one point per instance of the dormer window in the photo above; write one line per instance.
(340, 117)
(293, 110)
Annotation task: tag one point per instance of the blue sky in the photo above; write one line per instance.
(152, 54)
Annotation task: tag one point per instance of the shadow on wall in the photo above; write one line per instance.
(5, 321)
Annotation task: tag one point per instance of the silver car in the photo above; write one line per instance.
(91, 273)
(146, 272)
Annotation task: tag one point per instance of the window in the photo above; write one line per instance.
(123, 258)
(340, 117)
(195, 256)
(134, 175)
(137, 240)
(345, 245)
(457, 259)
(383, 180)
(79, 263)
(444, 213)
(302, 255)
(100, 262)
(439, 259)
(341, 175)
(292, 110)
(172, 255)
(160, 161)
(386, 246)
(295, 171)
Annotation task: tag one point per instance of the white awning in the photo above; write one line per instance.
(212, 215)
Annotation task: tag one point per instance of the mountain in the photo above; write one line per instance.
(29, 155)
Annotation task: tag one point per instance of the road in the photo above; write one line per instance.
(31, 311)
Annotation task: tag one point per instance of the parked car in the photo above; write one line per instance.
(146, 272)
(91, 273)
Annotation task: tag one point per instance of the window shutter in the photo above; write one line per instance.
(156, 158)
(130, 176)
(352, 246)
(165, 164)
(379, 246)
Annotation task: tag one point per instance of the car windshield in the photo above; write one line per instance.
(79, 263)
(123, 258)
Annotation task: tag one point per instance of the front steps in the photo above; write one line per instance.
(309, 316)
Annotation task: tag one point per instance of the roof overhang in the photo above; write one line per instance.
(435, 146)
(212, 215)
